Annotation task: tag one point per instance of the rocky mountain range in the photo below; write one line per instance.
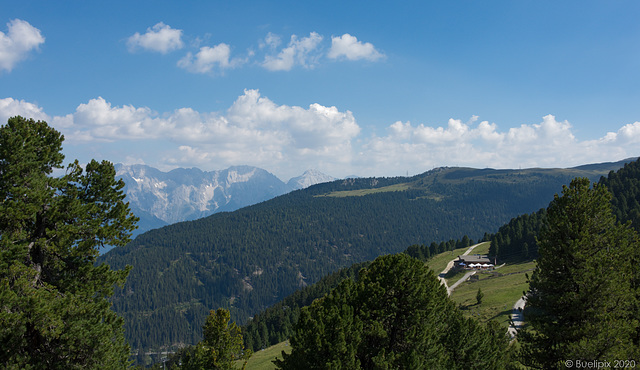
(163, 198)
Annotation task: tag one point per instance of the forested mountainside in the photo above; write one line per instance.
(516, 240)
(250, 259)
(624, 184)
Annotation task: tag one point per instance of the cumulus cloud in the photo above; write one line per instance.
(347, 46)
(300, 51)
(305, 52)
(628, 134)
(16, 44)
(10, 107)
(287, 139)
(550, 143)
(209, 59)
(253, 130)
(160, 38)
(98, 120)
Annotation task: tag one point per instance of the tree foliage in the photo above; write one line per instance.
(221, 347)
(582, 302)
(276, 323)
(479, 297)
(516, 240)
(54, 311)
(397, 315)
(625, 185)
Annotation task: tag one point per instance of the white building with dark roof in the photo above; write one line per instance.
(474, 261)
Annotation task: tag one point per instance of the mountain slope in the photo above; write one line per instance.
(249, 259)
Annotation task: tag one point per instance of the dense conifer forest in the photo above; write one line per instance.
(516, 240)
(252, 258)
(624, 184)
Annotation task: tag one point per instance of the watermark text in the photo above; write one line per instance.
(600, 364)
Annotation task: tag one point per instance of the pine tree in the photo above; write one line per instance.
(54, 311)
(479, 297)
(466, 241)
(581, 302)
(224, 339)
(221, 347)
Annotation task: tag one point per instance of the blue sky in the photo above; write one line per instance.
(373, 88)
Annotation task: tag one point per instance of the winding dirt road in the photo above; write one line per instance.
(450, 265)
(517, 317)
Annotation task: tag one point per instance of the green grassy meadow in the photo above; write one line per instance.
(261, 360)
(361, 192)
(501, 288)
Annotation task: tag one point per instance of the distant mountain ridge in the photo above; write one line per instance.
(308, 178)
(162, 198)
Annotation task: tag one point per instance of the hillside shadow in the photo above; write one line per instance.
(453, 273)
(505, 312)
(466, 307)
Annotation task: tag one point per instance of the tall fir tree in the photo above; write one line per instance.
(221, 348)
(224, 340)
(54, 312)
(581, 302)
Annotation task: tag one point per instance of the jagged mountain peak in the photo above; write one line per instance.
(308, 178)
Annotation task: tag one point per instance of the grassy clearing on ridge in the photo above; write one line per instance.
(361, 192)
(438, 262)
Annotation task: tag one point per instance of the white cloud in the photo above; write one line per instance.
(629, 133)
(254, 130)
(161, 38)
(10, 107)
(550, 143)
(302, 52)
(349, 47)
(272, 41)
(287, 139)
(97, 119)
(305, 52)
(16, 44)
(305, 129)
(206, 60)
